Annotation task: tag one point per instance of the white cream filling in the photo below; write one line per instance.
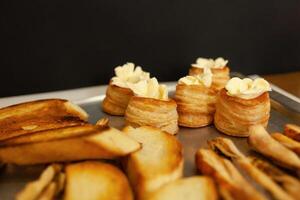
(129, 74)
(210, 63)
(150, 89)
(201, 79)
(247, 88)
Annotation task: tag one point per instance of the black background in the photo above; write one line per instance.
(60, 44)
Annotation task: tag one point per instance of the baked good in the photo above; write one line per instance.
(227, 148)
(261, 141)
(38, 116)
(231, 184)
(191, 188)
(116, 99)
(158, 162)
(67, 144)
(118, 92)
(196, 99)
(217, 67)
(292, 131)
(151, 106)
(286, 141)
(48, 185)
(289, 183)
(241, 104)
(96, 180)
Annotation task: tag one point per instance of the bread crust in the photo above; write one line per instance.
(288, 182)
(230, 182)
(39, 116)
(116, 100)
(261, 141)
(195, 105)
(227, 147)
(235, 115)
(96, 180)
(68, 144)
(158, 162)
(191, 188)
(161, 114)
(286, 141)
(292, 131)
(220, 75)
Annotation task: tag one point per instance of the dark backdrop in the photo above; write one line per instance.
(59, 44)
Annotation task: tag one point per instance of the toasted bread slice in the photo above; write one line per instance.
(38, 116)
(158, 162)
(231, 184)
(286, 141)
(96, 180)
(67, 144)
(192, 188)
(292, 131)
(228, 148)
(261, 141)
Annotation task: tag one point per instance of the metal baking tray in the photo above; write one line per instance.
(284, 110)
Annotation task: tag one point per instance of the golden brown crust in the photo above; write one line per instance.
(230, 182)
(227, 147)
(291, 144)
(191, 188)
(96, 180)
(51, 135)
(158, 162)
(152, 112)
(116, 100)
(289, 183)
(39, 116)
(261, 141)
(292, 131)
(220, 76)
(70, 144)
(195, 105)
(235, 115)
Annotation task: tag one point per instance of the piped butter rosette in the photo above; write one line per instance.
(241, 104)
(151, 106)
(218, 67)
(195, 98)
(118, 92)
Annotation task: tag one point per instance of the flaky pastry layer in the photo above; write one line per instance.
(116, 100)
(152, 112)
(195, 105)
(235, 115)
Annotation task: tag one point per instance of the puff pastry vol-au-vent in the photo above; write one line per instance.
(151, 106)
(195, 98)
(217, 67)
(118, 92)
(241, 104)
